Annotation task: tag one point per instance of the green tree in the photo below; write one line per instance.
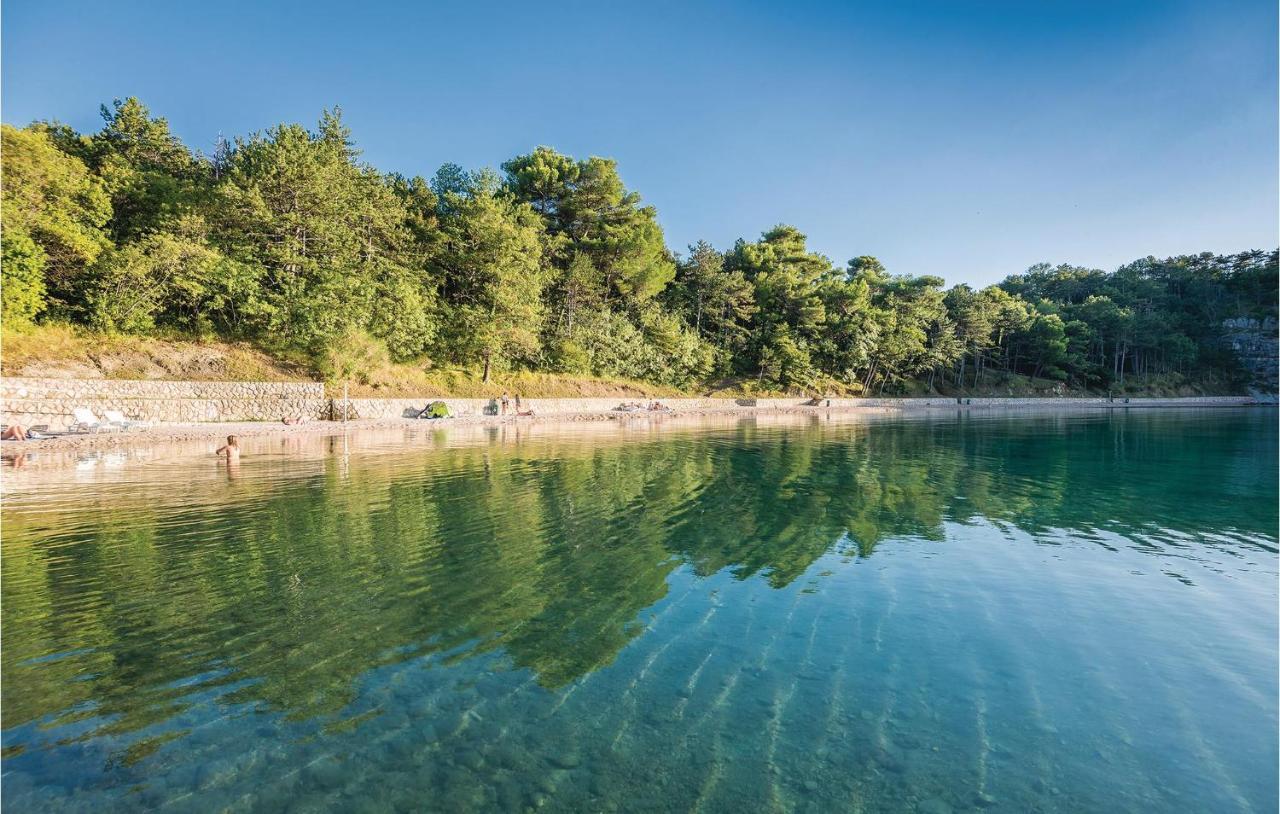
(973, 316)
(913, 323)
(21, 277)
(788, 280)
(151, 176)
(1047, 345)
(52, 215)
(327, 231)
(588, 211)
(176, 279)
(718, 303)
(492, 263)
(851, 328)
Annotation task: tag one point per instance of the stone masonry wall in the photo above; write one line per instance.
(51, 401)
(373, 408)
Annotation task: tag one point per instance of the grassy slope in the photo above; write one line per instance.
(59, 351)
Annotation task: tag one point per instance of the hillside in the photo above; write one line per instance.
(61, 351)
(552, 266)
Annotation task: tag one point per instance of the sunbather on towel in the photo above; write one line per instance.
(13, 432)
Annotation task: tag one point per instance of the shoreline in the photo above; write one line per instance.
(164, 433)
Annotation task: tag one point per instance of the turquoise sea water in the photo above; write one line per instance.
(1044, 612)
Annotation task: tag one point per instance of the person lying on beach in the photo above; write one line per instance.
(525, 412)
(291, 420)
(231, 449)
(658, 407)
(13, 432)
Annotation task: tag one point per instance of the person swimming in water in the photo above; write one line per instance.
(231, 449)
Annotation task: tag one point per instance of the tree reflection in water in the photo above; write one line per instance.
(286, 590)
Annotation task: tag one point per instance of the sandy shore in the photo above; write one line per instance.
(194, 432)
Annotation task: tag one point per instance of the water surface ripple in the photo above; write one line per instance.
(1047, 612)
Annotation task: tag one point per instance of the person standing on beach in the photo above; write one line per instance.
(506, 401)
(517, 404)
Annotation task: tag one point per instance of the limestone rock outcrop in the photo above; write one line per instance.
(1257, 346)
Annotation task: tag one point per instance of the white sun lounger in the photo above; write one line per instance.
(86, 421)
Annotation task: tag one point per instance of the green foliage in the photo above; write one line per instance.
(1048, 346)
(404, 314)
(354, 356)
(614, 346)
(788, 284)
(603, 249)
(170, 278)
(716, 301)
(1150, 318)
(151, 176)
(287, 239)
(52, 200)
(21, 277)
(492, 258)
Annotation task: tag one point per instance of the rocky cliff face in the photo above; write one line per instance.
(1256, 345)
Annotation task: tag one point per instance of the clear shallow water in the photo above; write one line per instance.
(1066, 612)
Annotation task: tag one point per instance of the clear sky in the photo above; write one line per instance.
(965, 139)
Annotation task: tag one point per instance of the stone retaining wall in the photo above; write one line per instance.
(51, 401)
(407, 408)
(370, 408)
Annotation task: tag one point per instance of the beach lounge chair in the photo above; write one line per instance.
(116, 417)
(86, 421)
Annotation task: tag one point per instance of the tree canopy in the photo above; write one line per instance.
(287, 238)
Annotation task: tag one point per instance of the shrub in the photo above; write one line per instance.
(353, 356)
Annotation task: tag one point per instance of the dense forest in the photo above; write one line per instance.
(287, 239)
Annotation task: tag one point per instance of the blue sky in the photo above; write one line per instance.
(965, 139)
